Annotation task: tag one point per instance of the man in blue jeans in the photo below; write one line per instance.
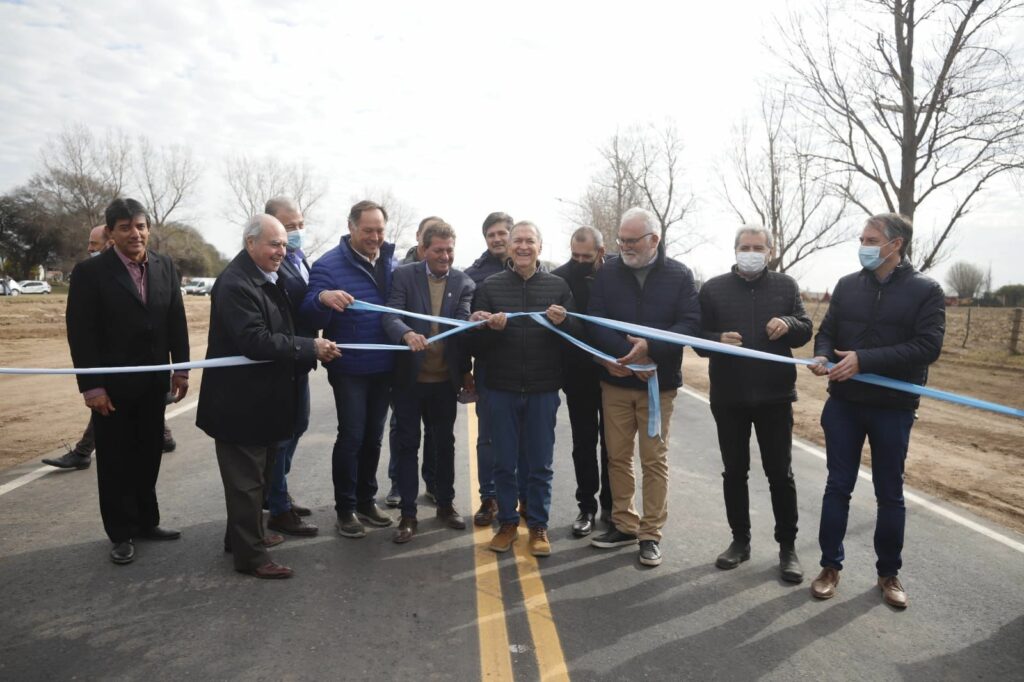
(886, 319)
(359, 268)
(293, 277)
(524, 373)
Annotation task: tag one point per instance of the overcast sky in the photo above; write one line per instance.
(460, 109)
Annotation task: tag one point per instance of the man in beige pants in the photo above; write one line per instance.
(643, 287)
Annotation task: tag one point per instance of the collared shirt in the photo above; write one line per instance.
(136, 270)
(269, 276)
(431, 275)
(371, 261)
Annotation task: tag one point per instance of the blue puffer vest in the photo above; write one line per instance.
(339, 269)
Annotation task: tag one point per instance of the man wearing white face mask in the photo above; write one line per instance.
(759, 309)
(886, 319)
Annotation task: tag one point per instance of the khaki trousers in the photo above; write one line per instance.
(625, 421)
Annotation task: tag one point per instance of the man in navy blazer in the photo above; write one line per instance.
(427, 380)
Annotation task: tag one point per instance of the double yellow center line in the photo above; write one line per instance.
(495, 652)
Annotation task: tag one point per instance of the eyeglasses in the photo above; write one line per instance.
(630, 243)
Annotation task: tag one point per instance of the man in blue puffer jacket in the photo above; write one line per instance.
(359, 268)
(886, 319)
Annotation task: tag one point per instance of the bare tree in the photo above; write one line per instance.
(402, 219)
(167, 177)
(82, 174)
(965, 279)
(252, 181)
(774, 180)
(916, 99)
(642, 167)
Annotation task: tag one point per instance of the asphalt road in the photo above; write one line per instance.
(444, 608)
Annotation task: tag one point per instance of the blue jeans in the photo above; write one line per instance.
(435, 404)
(277, 488)
(523, 424)
(484, 451)
(846, 425)
(361, 402)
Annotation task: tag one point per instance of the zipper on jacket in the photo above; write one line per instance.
(522, 373)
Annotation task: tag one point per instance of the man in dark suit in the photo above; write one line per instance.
(250, 409)
(124, 308)
(427, 380)
(293, 275)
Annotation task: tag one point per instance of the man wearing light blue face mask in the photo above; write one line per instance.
(285, 515)
(887, 319)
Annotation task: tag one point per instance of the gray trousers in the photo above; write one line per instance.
(245, 471)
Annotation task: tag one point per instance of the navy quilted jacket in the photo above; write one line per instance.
(339, 269)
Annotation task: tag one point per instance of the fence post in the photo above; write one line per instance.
(1015, 331)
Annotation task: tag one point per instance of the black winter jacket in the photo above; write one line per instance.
(251, 404)
(730, 303)
(667, 301)
(485, 266)
(896, 327)
(523, 357)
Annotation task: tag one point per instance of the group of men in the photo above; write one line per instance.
(272, 307)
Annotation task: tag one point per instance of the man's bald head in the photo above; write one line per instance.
(98, 240)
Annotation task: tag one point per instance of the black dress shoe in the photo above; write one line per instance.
(583, 525)
(789, 565)
(70, 460)
(370, 513)
(158, 533)
(123, 552)
(736, 553)
(169, 444)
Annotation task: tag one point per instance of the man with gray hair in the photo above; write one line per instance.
(646, 287)
(753, 307)
(524, 373)
(582, 387)
(250, 315)
(293, 278)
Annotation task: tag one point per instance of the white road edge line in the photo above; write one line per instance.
(909, 496)
(45, 469)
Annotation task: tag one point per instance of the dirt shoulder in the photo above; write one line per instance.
(41, 413)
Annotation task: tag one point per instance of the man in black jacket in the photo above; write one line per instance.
(496, 227)
(886, 319)
(124, 308)
(293, 277)
(524, 373)
(757, 309)
(582, 388)
(250, 409)
(645, 287)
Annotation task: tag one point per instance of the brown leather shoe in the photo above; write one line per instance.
(299, 509)
(291, 524)
(269, 540)
(451, 518)
(824, 586)
(503, 539)
(485, 514)
(270, 571)
(406, 530)
(892, 591)
(539, 543)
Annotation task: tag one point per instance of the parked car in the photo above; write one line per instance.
(34, 286)
(9, 287)
(199, 286)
